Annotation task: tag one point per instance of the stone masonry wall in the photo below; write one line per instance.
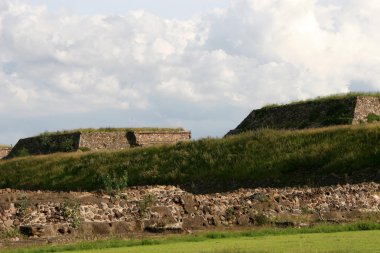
(312, 114)
(300, 115)
(4, 152)
(146, 138)
(365, 106)
(104, 140)
(112, 140)
(168, 208)
(46, 144)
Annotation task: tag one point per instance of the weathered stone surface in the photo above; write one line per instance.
(39, 230)
(364, 106)
(177, 210)
(194, 222)
(4, 152)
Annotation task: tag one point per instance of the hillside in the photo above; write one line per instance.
(261, 158)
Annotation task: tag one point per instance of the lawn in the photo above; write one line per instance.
(355, 241)
(350, 237)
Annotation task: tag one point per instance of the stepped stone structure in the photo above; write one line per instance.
(343, 110)
(97, 140)
(4, 152)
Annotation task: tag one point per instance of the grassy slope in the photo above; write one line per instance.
(266, 157)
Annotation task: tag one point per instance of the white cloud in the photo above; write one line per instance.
(252, 53)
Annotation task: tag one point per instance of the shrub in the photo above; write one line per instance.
(67, 145)
(261, 219)
(147, 201)
(71, 212)
(114, 183)
(24, 204)
(230, 213)
(373, 118)
(23, 152)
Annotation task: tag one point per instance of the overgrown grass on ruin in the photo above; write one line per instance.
(326, 98)
(265, 157)
(204, 237)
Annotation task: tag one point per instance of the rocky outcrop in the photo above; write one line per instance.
(168, 208)
(312, 114)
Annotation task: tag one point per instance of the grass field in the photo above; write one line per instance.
(355, 241)
(362, 241)
(359, 237)
(260, 158)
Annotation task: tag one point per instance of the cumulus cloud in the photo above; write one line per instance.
(212, 68)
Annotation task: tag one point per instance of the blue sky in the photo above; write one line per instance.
(203, 65)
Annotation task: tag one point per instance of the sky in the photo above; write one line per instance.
(202, 64)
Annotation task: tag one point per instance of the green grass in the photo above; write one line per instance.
(330, 97)
(265, 157)
(337, 242)
(357, 237)
(4, 146)
(373, 118)
(112, 129)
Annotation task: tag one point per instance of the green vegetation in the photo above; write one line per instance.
(264, 157)
(71, 213)
(326, 98)
(111, 129)
(357, 237)
(373, 118)
(84, 149)
(24, 204)
(22, 153)
(4, 146)
(8, 234)
(114, 182)
(147, 201)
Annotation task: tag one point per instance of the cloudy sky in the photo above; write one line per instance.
(200, 64)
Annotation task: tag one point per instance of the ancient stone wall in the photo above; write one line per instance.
(301, 115)
(148, 138)
(168, 208)
(104, 140)
(46, 144)
(4, 152)
(365, 106)
(312, 114)
(96, 140)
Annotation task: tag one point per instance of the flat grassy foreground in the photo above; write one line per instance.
(356, 237)
(362, 241)
(260, 158)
